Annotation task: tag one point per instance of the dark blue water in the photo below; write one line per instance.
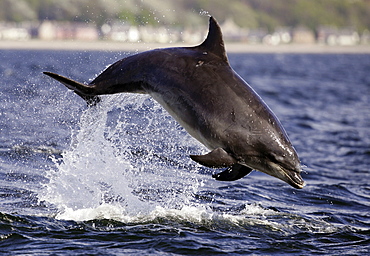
(117, 179)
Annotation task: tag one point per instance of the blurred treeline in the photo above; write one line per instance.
(267, 14)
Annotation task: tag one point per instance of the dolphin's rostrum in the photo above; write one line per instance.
(197, 86)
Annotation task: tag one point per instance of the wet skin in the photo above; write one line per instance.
(197, 86)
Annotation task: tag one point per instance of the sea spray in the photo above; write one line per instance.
(128, 155)
(128, 162)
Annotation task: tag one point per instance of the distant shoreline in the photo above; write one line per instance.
(139, 47)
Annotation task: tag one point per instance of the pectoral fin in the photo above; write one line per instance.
(234, 172)
(215, 159)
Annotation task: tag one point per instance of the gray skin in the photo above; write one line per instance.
(197, 86)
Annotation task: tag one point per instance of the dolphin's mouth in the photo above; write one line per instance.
(290, 176)
(294, 179)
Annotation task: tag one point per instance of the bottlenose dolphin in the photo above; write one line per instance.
(197, 86)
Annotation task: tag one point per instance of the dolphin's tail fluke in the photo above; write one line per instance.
(83, 90)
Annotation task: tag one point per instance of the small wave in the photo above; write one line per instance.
(252, 217)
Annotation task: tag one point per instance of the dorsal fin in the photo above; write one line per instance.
(214, 42)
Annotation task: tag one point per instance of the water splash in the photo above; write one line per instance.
(129, 162)
(133, 157)
(204, 13)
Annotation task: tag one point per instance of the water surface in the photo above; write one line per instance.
(117, 179)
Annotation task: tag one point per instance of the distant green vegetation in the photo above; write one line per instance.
(267, 14)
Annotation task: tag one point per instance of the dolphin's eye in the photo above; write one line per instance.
(276, 158)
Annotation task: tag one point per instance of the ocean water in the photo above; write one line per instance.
(116, 179)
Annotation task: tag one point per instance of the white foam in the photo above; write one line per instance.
(116, 212)
(197, 214)
(133, 157)
(104, 211)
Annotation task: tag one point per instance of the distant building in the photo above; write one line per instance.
(232, 32)
(116, 32)
(191, 36)
(47, 30)
(285, 34)
(119, 31)
(10, 31)
(124, 33)
(303, 35)
(14, 34)
(348, 37)
(67, 31)
(333, 36)
(85, 32)
(256, 36)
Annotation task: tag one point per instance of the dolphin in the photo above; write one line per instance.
(197, 86)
